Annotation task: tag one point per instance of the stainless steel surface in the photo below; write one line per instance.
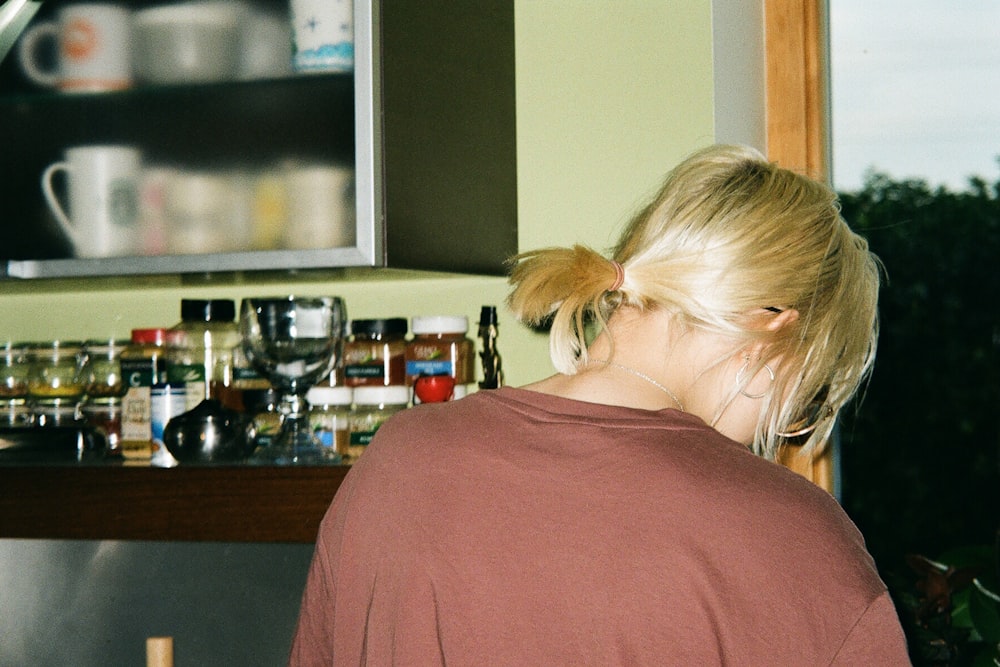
(14, 17)
(86, 603)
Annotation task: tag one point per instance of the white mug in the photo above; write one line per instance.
(324, 35)
(321, 205)
(103, 199)
(94, 46)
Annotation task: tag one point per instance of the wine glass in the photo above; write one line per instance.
(293, 342)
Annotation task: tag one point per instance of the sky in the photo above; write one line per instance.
(915, 88)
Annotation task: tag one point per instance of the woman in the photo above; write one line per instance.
(626, 510)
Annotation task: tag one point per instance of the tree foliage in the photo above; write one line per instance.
(920, 452)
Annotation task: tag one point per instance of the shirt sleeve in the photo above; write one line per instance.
(876, 639)
(312, 643)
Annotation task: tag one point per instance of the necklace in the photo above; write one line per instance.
(641, 376)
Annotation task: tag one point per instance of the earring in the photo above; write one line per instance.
(743, 369)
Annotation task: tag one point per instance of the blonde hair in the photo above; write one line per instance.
(728, 233)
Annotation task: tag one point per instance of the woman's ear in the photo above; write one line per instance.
(782, 319)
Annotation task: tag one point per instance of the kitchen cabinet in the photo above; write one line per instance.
(426, 121)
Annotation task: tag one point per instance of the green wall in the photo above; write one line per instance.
(609, 96)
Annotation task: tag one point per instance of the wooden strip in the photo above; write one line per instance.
(225, 504)
(797, 130)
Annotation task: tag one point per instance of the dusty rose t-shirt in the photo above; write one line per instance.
(517, 528)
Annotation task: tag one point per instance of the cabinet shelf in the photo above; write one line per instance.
(193, 504)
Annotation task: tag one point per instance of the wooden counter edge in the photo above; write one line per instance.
(197, 503)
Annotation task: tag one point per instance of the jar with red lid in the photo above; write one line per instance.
(440, 347)
(375, 354)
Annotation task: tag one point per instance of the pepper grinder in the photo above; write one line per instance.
(490, 357)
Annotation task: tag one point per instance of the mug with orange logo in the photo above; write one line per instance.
(93, 42)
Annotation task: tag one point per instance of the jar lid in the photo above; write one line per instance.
(208, 310)
(394, 394)
(149, 336)
(109, 347)
(392, 325)
(56, 349)
(330, 396)
(431, 324)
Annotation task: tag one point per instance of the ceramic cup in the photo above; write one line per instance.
(208, 211)
(190, 42)
(93, 44)
(320, 207)
(103, 187)
(323, 32)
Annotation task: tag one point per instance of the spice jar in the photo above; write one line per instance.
(14, 366)
(200, 347)
(14, 370)
(106, 416)
(372, 406)
(143, 364)
(440, 347)
(375, 354)
(55, 377)
(102, 370)
(329, 419)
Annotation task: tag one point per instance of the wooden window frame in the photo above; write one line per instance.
(798, 136)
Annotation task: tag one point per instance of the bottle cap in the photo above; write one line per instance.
(392, 395)
(208, 310)
(488, 316)
(446, 324)
(149, 336)
(393, 325)
(330, 396)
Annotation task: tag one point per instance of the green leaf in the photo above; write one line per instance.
(985, 614)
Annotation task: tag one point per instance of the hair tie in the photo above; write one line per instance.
(619, 276)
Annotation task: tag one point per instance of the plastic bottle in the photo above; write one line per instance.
(200, 349)
(143, 365)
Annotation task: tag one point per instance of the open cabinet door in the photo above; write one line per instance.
(797, 79)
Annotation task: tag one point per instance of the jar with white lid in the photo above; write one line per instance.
(329, 419)
(440, 347)
(372, 407)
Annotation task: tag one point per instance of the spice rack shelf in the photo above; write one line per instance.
(190, 504)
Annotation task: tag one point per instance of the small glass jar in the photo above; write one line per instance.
(329, 419)
(440, 347)
(372, 406)
(14, 371)
(264, 423)
(56, 377)
(375, 354)
(102, 369)
(17, 413)
(105, 415)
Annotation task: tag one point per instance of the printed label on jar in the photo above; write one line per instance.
(166, 402)
(364, 371)
(138, 372)
(419, 367)
(136, 404)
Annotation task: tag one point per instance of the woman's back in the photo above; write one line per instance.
(514, 527)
